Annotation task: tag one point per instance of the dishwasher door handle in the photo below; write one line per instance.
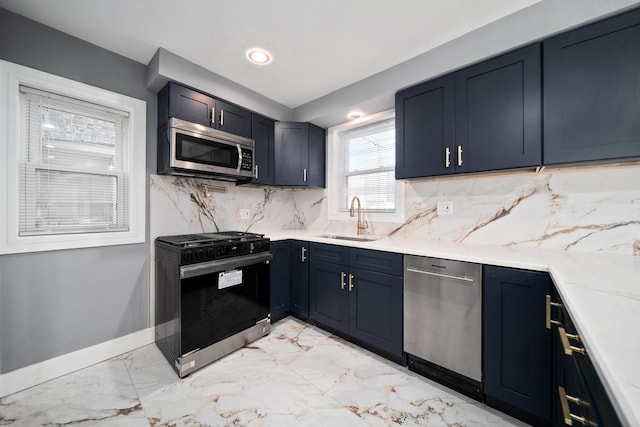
(448, 276)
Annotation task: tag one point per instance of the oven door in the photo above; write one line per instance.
(221, 298)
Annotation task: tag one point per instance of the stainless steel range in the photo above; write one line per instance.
(212, 295)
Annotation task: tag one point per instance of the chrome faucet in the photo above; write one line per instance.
(361, 225)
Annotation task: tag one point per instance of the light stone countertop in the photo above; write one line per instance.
(600, 291)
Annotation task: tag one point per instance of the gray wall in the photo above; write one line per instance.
(52, 303)
(536, 22)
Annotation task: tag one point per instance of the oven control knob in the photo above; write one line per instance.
(199, 254)
(187, 256)
(210, 254)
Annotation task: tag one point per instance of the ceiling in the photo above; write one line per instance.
(318, 46)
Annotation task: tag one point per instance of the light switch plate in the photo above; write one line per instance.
(445, 208)
(245, 213)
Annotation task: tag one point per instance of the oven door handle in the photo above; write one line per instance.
(222, 265)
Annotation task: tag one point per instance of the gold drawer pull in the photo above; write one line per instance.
(549, 322)
(351, 277)
(447, 157)
(342, 285)
(302, 252)
(459, 155)
(568, 348)
(568, 417)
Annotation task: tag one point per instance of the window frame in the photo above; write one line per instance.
(335, 169)
(12, 76)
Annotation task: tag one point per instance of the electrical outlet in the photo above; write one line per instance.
(445, 208)
(245, 213)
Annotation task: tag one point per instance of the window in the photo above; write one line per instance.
(73, 176)
(76, 166)
(362, 164)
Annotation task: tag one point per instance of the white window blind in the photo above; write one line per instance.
(369, 167)
(73, 166)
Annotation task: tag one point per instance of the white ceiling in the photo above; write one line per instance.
(318, 46)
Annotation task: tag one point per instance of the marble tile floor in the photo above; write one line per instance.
(298, 375)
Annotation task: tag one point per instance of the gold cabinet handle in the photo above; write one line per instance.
(302, 252)
(447, 157)
(568, 348)
(213, 116)
(221, 117)
(567, 416)
(350, 282)
(459, 155)
(304, 174)
(255, 171)
(342, 284)
(548, 320)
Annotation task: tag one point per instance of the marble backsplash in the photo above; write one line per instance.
(582, 209)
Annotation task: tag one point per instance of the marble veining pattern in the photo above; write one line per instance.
(593, 209)
(298, 375)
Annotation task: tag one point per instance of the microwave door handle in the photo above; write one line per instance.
(239, 157)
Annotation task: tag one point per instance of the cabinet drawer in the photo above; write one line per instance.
(329, 253)
(378, 261)
(579, 394)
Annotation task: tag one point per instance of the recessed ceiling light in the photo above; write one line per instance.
(355, 115)
(259, 56)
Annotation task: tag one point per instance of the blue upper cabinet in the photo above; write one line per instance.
(184, 103)
(498, 113)
(592, 92)
(299, 154)
(482, 118)
(262, 133)
(424, 129)
(233, 119)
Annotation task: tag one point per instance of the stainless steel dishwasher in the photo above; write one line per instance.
(443, 321)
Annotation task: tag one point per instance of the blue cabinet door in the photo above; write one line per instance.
(375, 310)
(187, 104)
(517, 344)
(498, 113)
(329, 295)
(279, 279)
(292, 152)
(591, 92)
(233, 119)
(317, 157)
(424, 129)
(300, 154)
(262, 132)
(299, 290)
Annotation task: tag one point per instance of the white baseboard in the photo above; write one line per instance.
(38, 373)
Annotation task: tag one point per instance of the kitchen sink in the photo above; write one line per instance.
(352, 238)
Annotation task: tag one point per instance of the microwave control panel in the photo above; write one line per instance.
(247, 160)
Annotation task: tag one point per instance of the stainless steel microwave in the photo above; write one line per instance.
(191, 149)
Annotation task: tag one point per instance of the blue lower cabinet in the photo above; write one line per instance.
(328, 295)
(279, 279)
(517, 344)
(362, 304)
(299, 258)
(375, 309)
